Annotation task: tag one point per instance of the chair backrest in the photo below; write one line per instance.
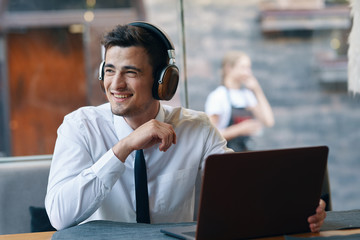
(23, 183)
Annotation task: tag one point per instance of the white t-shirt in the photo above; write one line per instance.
(87, 181)
(217, 103)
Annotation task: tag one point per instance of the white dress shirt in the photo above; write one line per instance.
(87, 181)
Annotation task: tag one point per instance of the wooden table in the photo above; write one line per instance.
(28, 236)
(47, 235)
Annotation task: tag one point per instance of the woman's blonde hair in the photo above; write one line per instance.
(229, 61)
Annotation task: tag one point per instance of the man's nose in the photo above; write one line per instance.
(119, 81)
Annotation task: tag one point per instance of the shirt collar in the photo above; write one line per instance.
(161, 114)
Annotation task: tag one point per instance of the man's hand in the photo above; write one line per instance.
(145, 136)
(153, 132)
(316, 221)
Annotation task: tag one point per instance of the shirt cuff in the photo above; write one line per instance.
(108, 168)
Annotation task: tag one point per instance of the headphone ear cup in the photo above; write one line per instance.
(165, 87)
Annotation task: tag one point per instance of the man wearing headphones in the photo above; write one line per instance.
(92, 171)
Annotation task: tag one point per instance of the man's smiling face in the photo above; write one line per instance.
(128, 82)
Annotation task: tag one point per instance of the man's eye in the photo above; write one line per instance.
(131, 74)
(109, 70)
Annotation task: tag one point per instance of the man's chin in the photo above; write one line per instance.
(123, 112)
(118, 112)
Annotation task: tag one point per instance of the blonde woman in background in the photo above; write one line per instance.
(239, 107)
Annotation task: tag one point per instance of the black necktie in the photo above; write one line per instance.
(141, 189)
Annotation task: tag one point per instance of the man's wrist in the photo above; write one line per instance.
(121, 150)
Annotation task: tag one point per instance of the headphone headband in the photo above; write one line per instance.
(156, 30)
(161, 35)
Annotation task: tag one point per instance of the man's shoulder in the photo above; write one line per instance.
(90, 112)
(176, 114)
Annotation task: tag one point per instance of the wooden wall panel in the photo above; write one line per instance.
(46, 81)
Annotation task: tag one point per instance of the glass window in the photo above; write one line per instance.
(50, 54)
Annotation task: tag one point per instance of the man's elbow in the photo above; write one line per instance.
(57, 223)
(55, 217)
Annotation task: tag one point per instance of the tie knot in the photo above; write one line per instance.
(139, 154)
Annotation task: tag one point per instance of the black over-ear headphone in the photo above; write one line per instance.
(165, 86)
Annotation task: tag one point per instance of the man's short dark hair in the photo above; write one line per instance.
(129, 36)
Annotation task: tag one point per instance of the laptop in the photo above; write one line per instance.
(257, 194)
